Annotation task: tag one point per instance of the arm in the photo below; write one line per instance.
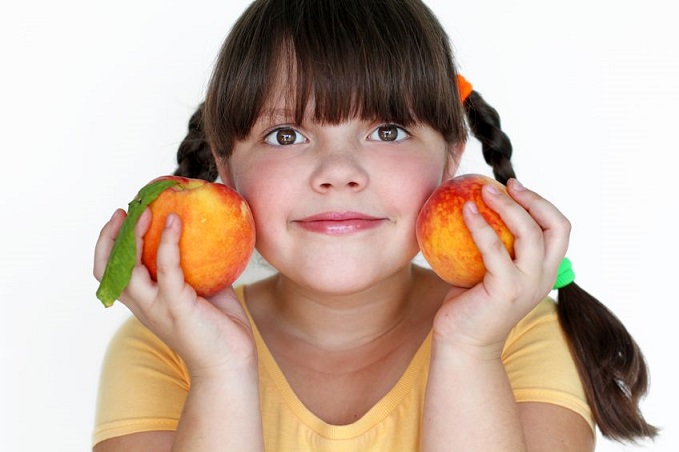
(221, 414)
(555, 428)
(480, 390)
(213, 338)
(469, 403)
(203, 415)
(145, 441)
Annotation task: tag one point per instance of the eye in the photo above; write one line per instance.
(389, 132)
(284, 136)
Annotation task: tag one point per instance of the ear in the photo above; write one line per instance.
(453, 160)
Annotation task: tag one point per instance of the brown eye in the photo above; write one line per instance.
(284, 137)
(388, 132)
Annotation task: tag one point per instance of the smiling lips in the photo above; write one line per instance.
(338, 223)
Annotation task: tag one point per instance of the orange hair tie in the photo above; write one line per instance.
(464, 88)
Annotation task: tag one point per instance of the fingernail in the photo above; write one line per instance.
(115, 213)
(492, 189)
(471, 207)
(169, 221)
(516, 185)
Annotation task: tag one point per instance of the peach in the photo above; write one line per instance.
(442, 234)
(218, 232)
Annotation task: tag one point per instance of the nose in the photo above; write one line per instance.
(339, 168)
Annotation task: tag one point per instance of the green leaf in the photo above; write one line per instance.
(123, 256)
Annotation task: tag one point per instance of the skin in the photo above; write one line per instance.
(349, 302)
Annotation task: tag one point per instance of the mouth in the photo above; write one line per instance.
(339, 223)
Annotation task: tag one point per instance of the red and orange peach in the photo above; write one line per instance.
(443, 236)
(218, 232)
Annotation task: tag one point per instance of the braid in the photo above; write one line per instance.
(194, 157)
(610, 363)
(484, 123)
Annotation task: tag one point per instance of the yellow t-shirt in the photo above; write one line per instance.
(144, 384)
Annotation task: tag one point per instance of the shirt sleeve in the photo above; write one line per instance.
(539, 363)
(143, 385)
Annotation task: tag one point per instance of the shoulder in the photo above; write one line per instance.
(538, 334)
(142, 384)
(539, 363)
(541, 325)
(133, 339)
(545, 311)
(134, 349)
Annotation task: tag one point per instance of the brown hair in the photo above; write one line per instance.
(372, 59)
(609, 361)
(390, 59)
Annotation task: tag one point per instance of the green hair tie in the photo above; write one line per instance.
(565, 275)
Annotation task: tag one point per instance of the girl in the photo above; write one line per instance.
(336, 120)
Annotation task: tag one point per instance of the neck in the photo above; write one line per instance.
(343, 321)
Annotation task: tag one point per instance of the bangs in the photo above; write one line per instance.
(374, 60)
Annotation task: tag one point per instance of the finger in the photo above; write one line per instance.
(554, 225)
(143, 292)
(105, 241)
(170, 275)
(141, 289)
(140, 229)
(496, 259)
(528, 236)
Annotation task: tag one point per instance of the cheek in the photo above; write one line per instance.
(267, 210)
(250, 176)
(415, 179)
(266, 188)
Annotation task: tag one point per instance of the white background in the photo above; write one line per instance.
(95, 97)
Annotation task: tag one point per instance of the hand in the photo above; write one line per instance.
(480, 319)
(211, 336)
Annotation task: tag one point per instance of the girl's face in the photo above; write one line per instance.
(335, 205)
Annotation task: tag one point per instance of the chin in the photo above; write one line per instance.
(347, 280)
(343, 267)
